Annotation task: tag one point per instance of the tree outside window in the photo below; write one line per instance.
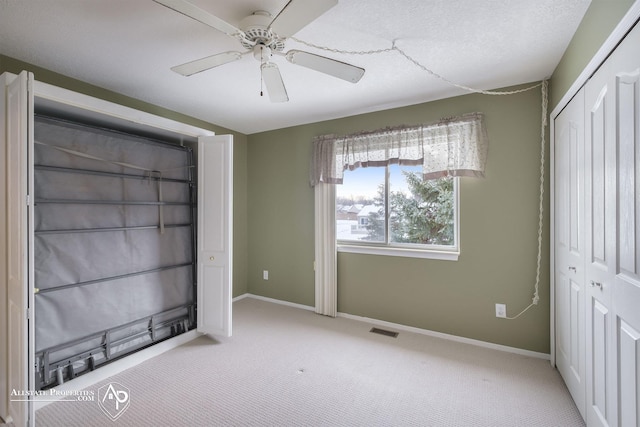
(419, 212)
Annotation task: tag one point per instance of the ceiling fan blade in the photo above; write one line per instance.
(297, 14)
(201, 15)
(204, 64)
(329, 66)
(273, 82)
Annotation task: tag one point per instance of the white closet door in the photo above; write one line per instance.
(601, 252)
(4, 401)
(215, 196)
(18, 128)
(569, 248)
(626, 296)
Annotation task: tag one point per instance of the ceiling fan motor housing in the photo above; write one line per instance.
(257, 32)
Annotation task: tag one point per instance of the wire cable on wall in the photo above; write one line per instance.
(543, 131)
(543, 128)
(395, 48)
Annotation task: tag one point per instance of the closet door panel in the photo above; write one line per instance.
(626, 297)
(599, 337)
(627, 108)
(215, 216)
(600, 201)
(597, 181)
(629, 371)
(18, 136)
(569, 252)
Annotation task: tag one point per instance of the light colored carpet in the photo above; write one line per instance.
(290, 367)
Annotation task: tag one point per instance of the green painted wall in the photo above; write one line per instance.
(498, 230)
(240, 235)
(599, 21)
(498, 217)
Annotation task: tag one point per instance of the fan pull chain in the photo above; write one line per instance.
(261, 92)
(261, 64)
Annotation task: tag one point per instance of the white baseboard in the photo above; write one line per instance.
(114, 368)
(449, 337)
(275, 301)
(240, 297)
(415, 330)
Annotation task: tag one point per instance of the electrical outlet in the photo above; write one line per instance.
(265, 274)
(501, 310)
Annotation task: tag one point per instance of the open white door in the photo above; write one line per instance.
(215, 197)
(17, 125)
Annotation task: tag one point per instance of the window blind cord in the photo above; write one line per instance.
(543, 127)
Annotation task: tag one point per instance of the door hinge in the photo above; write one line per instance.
(28, 200)
(29, 313)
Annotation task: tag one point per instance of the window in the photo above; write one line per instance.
(391, 210)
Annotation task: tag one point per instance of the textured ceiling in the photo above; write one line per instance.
(128, 46)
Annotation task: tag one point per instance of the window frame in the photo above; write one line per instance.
(408, 250)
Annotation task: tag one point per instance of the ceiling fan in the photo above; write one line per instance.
(264, 36)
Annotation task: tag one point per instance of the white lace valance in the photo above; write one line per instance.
(451, 147)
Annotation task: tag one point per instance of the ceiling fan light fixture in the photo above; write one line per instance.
(261, 53)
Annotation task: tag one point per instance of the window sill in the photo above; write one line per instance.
(400, 252)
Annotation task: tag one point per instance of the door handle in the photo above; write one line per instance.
(596, 284)
(572, 269)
